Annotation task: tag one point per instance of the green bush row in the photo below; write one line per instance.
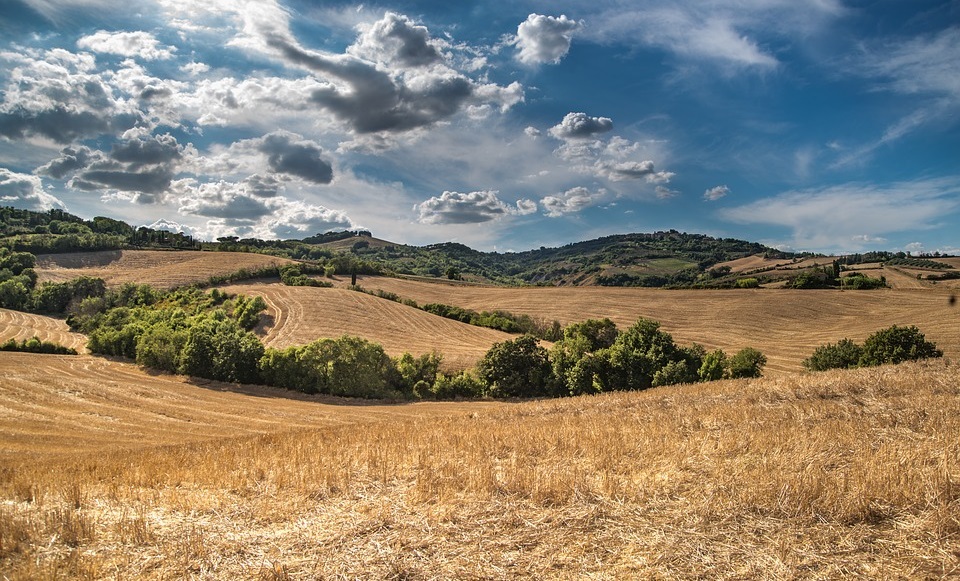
(887, 346)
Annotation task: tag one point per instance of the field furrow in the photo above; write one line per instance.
(21, 326)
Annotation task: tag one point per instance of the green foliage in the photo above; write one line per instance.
(887, 346)
(348, 366)
(842, 355)
(895, 345)
(813, 279)
(461, 385)
(218, 348)
(415, 376)
(247, 311)
(54, 298)
(713, 367)
(859, 281)
(517, 368)
(638, 354)
(748, 283)
(160, 347)
(35, 345)
(292, 275)
(748, 362)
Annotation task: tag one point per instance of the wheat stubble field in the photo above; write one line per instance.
(835, 475)
(110, 472)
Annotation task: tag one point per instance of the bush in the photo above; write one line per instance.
(747, 362)
(842, 355)
(895, 345)
(748, 283)
(35, 345)
(462, 385)
(517, 368)
(638, 354)
(713, 366)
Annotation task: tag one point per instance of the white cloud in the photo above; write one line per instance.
(469, 208)
(846, 217)
(581, 126)
(25, 191)
(130, 44)
(715, 193)
(571, 201)
(545, 39)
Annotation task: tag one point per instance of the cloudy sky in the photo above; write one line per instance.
(823, 125)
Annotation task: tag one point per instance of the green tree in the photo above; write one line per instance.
(638, 354)
(713, 367)
(517, 368)
(895, 345)
(842, 355)
(748, 362)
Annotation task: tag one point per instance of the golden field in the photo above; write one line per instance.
(852, 474)
(108, 471)
(160, 269)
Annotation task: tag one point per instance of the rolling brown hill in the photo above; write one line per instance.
(161, 269)
(51, 405)
(787, 325)
(299, 315)
(22, 326)
(107, 472)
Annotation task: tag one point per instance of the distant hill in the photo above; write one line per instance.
(658, 259)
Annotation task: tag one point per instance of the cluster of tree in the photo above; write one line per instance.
(35, 345)
(829, 276)
(56, 231)
(904, 258)
(499, 320)
(919, 263)
(887, 346)
(19, 289)
(594, 356)
(293, 275)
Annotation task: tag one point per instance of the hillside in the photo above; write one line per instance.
(299, 315)
(23, 326)
(785, 324)
(834, 475)
(160, 269)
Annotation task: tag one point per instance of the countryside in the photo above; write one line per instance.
(110, 468)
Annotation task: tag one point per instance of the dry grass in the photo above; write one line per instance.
(822, 476)
(787, 325)
(299, 315)
(21, 326)
(161, 269)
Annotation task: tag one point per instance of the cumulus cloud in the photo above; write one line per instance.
(715, 193)
(371, 97)
(130, 44)
(581, 126)
(288, 153)
(71, 159)
(545, 39)
(469, 208)
(571, 201)
(169, 226)
(145, 165)
(395, 39)
(25, 191)
(841, 218)
(61, 98)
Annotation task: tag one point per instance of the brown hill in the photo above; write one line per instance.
(787, 325)
(833, 475)
(62, 404)
(161, 269)
(299, 315)
(22, 326)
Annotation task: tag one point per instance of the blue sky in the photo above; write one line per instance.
(820, 125)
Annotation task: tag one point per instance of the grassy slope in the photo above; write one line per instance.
(785, 324)
(832, 475)
(161, 269)
(20, 326)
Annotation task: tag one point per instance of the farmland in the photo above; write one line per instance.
(774, 478)
(108, 470)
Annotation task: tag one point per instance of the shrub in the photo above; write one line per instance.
(462, 385)
(713, 366)
(842, 355)
(35, 345)
(748, 362)
(517, 368)
(748, 283)
(639, 353)
(895, 345)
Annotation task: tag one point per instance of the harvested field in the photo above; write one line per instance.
(299, 315)
(22, 326)
(787, 325)
(62, 404)
(845, 474)
(161, 269)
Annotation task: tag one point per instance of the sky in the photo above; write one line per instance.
(807, 125)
